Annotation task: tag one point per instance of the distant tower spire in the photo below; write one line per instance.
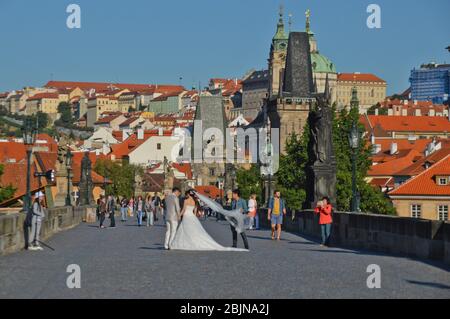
(308, 22)
(280, 25)
(354, 102)
(290, 22)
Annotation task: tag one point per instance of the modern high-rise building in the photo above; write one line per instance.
(431, 83)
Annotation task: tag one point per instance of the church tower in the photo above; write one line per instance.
(277, 58)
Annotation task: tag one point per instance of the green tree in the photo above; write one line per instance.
(6, 192)
(249, 181)
(122, 176)
(65, 110)
(291, 172)
(291, 177)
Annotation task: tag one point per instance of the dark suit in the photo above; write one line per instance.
(239, 204)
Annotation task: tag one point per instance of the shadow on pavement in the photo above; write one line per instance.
(429, 284)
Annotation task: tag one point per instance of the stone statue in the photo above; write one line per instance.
(86, 185)
(321, 167)
(320, 143)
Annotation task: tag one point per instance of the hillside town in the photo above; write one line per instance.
(142, 125)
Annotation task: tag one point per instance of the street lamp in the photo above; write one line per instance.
(354, 140)
(69, 157)
(29, 137)
(220, 181)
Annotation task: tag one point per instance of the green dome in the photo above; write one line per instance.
(321, 64)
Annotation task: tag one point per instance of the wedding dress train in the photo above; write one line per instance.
(191, 235)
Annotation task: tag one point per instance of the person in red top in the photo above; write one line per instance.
(324, 210)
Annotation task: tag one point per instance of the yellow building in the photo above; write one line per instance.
(371, 89)
(42, 102)
(426, 195)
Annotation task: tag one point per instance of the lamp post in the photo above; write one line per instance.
(220, 181)
(354, 139)
(29, 137)
(69, 157)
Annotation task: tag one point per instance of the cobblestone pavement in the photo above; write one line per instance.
(130, 262)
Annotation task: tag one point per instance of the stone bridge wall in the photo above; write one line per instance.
(56, 220)
(412, 237)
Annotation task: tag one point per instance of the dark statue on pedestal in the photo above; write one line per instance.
(321, 167)
(86, 185)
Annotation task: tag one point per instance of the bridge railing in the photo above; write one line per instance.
(57, 219)
(411, 237)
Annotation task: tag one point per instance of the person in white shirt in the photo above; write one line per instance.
(253, 213)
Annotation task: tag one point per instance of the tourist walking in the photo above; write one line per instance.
(149, 210)
(131, 205)
(123, 209)
(139, 210)
(277, 209)
(158, 206)
(325, 210)
(253, 222)
(38, 211)
(238, 203)
(111, 210)
(102, 210)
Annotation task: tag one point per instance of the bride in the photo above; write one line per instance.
(190, 234)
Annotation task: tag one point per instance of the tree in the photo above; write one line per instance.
(291, 177)
(291, 173)
(6, 192)
(381, 110)
(65, 110)
(249, 181)
(122, 176)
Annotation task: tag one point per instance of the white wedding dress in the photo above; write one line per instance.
(191, 235)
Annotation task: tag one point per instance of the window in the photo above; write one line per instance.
(212, 172)
(443, 212)
(158, 146)
(442, 181)
(416, 211)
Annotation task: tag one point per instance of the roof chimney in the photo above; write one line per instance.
(393, 149)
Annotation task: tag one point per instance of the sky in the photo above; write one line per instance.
(150, 41)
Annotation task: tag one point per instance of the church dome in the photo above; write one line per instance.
(321, 64)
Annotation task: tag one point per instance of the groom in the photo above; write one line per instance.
(239, 203)
(172, 213)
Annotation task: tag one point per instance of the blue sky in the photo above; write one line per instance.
(150, 41)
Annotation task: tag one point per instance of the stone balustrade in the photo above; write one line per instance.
(411, 237)
(56, 220)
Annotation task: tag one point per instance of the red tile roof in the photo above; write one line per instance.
(12, 151)
(183, 168)
(107, 119)
(420, 166)
(359, 77)
(406, 123)
(101, 86)
(210, 191)
(41, 96)
(392, 167)
(425, 184)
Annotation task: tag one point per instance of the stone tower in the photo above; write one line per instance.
(277, 57)
(208, 150)
(289, 111)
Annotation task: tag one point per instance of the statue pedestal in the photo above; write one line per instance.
(321, 182)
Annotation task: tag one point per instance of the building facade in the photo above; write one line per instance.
(371, 90)
(431, 82)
